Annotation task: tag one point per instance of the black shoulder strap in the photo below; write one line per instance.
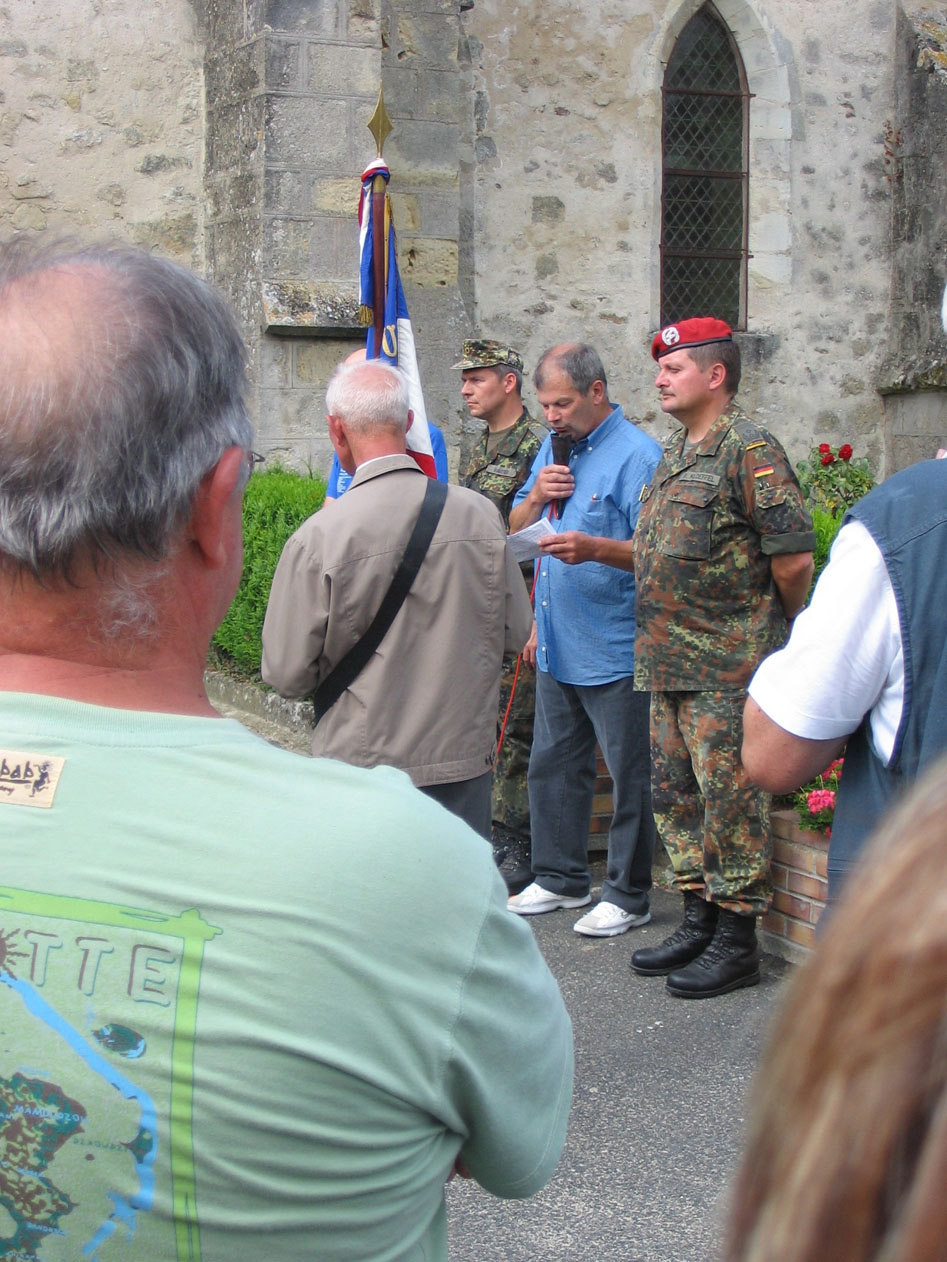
(351, 665)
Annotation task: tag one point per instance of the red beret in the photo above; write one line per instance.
(700, 331)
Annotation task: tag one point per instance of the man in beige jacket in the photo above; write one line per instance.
(426, 701)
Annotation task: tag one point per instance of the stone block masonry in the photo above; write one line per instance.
(294, 83)
(101, 122)
(300, 85)
(526, 160)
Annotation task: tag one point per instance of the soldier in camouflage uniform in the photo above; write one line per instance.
(497, 467)
(722, 562)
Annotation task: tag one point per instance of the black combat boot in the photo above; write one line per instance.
(516, 868)
(684, 944)
(511, 852)
(732, 960)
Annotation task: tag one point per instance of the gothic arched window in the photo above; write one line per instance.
(704, 188)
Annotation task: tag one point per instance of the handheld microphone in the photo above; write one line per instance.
(561, 450)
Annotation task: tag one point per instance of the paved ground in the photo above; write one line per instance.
(659, 1097)
(656, 1119)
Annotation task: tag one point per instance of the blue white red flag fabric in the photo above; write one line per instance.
(397, 342)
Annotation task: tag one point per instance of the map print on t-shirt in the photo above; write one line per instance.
(98, 1006)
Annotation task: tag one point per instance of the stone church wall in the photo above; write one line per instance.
(101, 121)
(230, 134)
(567, 196)
(291, 86)
(914, 379)
(526, 178)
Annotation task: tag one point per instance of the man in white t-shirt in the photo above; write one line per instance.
(844, 660)
(865, 669)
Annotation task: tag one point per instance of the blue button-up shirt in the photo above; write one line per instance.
(585, 614)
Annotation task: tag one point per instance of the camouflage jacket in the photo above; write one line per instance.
(707, 607)
(502, 476)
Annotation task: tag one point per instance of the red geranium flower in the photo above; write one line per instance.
(845, 451)
(828, 458)
(824, 449)
(815, 801)
(821, 800)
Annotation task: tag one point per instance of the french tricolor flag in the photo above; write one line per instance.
(397, 343)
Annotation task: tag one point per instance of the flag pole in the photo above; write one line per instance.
(379, 125)
(382, 305)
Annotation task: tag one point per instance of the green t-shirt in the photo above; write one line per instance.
(252, 1005)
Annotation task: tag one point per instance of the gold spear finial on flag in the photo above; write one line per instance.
(380, 124)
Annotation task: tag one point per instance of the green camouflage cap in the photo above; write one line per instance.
(479, 353)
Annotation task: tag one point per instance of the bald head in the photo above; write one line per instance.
(121, 384)
(54, 325)
(580, 362)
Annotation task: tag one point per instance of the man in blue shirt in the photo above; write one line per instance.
(583, 648)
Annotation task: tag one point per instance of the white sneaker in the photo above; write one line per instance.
(534, 899)
(607, 919)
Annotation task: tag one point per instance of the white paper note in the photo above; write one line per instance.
(525, 543)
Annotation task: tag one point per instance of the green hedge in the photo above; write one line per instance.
(275, 503)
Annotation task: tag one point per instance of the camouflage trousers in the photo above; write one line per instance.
(713, 822)
(510, 793)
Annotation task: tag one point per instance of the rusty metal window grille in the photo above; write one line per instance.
(705, 176)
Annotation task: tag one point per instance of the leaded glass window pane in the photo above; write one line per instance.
(703, 57)
(702, 132)
(704, 285)
(703, 240)
(703, 213)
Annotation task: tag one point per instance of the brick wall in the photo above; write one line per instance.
(601, 806)
(800, 886)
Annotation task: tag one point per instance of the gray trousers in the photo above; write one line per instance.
(468, 799)
(569, 721)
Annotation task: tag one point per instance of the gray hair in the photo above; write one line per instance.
(580, 362)
(370, 396)
(135, 389)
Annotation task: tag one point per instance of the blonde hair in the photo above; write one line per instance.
(846, 1154)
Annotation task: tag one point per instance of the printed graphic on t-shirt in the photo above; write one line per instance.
(98, 1005)
(29, 779)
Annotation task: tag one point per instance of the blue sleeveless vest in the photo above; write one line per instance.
(907, 518)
